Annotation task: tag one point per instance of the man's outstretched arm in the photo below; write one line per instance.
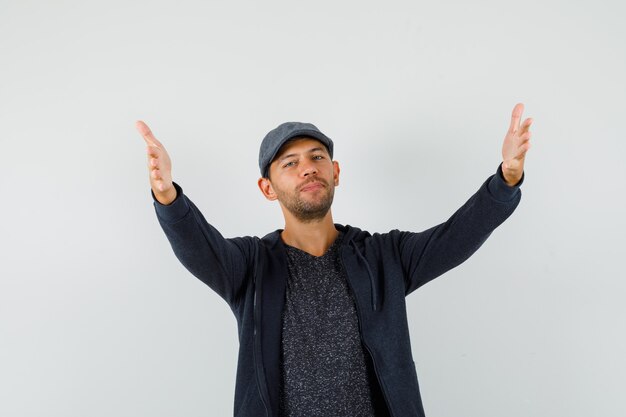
(222, 264)
(432, 252)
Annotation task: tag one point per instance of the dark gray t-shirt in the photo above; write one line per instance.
(324, 369)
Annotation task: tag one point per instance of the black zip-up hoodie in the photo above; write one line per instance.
(250, 273)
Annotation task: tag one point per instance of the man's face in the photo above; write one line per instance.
(302, 179)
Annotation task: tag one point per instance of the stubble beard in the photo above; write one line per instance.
(307, 211)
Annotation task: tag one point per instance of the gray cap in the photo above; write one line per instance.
(278, 136)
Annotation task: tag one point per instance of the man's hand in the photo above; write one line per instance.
(516, 144)
(159, 166)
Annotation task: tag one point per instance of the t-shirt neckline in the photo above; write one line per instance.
(328, 251)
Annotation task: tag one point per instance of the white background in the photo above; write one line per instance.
(98, 317)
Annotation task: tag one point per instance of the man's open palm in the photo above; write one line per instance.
(159, 165)
(516, 144)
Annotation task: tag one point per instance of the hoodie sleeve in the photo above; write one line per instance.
(223, 264)
(432, 252)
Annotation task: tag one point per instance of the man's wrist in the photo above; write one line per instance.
(511, 182)
(511, 179)
(165, 198)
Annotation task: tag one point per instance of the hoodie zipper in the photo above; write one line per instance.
(358, 313)
(254, 341)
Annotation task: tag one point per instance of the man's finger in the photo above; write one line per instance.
(153, 151)
(516, 115)
(145, 131)
(525, 126)
(156, 174)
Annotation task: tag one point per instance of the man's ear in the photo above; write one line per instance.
(336, 171)
(265, 186)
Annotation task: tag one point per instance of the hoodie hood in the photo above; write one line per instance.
(351, 235)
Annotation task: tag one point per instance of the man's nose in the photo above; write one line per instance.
(308, 168)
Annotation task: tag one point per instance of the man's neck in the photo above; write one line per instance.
(312, 237)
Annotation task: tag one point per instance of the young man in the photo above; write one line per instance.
(320, 307)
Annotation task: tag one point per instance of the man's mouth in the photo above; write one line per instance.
(312, 186)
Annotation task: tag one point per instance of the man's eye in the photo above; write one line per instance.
(288, 164)
(318, 156)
